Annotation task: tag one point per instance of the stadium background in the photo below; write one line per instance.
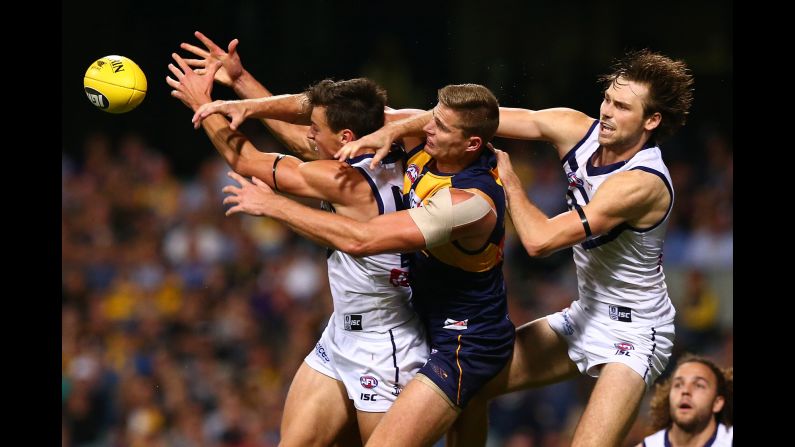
(181, 327)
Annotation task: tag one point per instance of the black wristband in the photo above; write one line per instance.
(276, 162)
(584, 220)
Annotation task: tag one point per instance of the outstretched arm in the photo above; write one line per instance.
(560, 126)
(381, 140)
(233, 75)
(635, 197)
(473, 219)
(325, 179)
(328, 229)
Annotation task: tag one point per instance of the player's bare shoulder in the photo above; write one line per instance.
(335, 182)
(640, 197)
(564, 127)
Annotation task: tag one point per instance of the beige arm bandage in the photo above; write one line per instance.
(437, 219)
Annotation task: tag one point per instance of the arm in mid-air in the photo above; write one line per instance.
(328, 180)
(406, 124)
(284, 125)
(403, 123)
(561, 127)
(637, 198)
(399, 232)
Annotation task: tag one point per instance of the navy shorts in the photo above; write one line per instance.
(464, 357)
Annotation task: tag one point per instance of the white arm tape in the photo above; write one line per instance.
(437, 219)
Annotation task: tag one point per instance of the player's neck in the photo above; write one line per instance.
(361, 153)
(696, 438)
(455, 165)
(607, 155)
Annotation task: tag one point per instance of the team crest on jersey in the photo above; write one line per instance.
(412, 172)
(399, 278)
(623, 348)
(574, 181)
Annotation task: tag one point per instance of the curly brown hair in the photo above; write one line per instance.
(670, 87)
(660, 407)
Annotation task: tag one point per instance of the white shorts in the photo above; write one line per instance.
(644, 347)
(373, 367)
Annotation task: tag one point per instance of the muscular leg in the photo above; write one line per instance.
(350, 436)
(418, 417)
(612, 407)
(539, 358)
(317, 410)
(367, 423)
(471, 427)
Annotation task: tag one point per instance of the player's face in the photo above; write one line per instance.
(445, 139)
(694, 396)
(326, 141)
(621, 114)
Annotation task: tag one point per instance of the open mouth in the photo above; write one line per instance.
(606, 128)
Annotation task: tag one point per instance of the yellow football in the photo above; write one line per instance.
(115, 84)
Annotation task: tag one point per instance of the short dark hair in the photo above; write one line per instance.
(478, 107)
(669, 82)
(660, 405)
(356, 104)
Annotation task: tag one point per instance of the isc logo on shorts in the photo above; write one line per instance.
(618, 313)
(353, 322)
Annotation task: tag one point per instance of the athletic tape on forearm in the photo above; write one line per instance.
(438, 217)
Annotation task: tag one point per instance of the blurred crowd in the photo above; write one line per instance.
(182, 327)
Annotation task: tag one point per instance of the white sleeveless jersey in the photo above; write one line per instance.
(723, 437)
(620, 275)
(372, 294)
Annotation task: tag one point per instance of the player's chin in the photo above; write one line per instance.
(606, 140)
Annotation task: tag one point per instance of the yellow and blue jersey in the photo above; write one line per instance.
(464, 283)
(459, 293)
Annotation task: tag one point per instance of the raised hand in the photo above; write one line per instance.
(189, 87)
(231, 68)
(378, 140)
(251, 198)
(504, 166)
(238, 111)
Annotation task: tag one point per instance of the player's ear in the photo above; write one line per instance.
(474, 144)
(717, 405)
(651, 122)
(346, 136)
